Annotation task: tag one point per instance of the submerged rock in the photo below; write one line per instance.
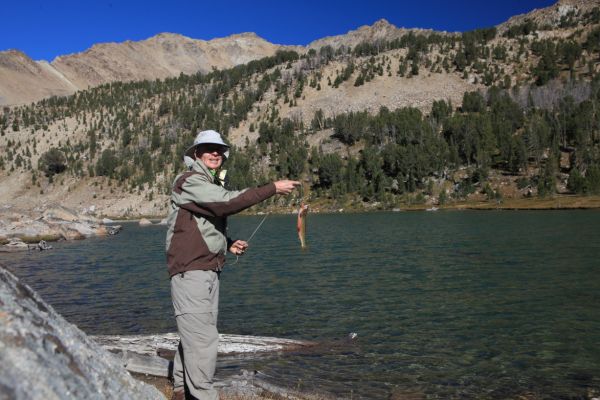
(44, 357)
(42, 245)
(113, 229)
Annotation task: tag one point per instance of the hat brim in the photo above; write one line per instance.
(190, 152)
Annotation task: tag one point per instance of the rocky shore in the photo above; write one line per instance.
(44, 356)
(150, 359)
(31, 229)
(23, 229)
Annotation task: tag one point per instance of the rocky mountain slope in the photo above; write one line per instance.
(23, 80)
(381, 30)
(381, 115)
(560, 14)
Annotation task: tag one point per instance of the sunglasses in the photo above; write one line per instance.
(210, 148)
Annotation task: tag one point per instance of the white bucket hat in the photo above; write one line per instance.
(206, 137)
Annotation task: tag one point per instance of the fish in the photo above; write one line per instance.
(302, 224)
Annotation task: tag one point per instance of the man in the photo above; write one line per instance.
(196, 245)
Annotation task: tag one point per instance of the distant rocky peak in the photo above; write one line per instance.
(8, 57)
(383, 24)
(168, 35)
(380, 30)
(579, 3)
(13, 53)
(18, 61)
(247, 35)
(552, 15)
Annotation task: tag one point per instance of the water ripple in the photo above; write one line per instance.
(445, 305)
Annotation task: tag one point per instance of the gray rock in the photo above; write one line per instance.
(145, 222)
(42, 245)
(48, 223)
(30, 227)
(148, 354)
(113, 229)
(42, 356)
(14, 244)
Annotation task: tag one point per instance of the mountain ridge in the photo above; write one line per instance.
(481, 115)
(23, 80)
(381, 29)
(170, 54)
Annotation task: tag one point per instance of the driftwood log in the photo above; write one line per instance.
(153, 354)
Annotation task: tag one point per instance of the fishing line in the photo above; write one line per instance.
(251, 236)
(257, 228)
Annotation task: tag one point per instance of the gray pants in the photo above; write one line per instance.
(195, 296)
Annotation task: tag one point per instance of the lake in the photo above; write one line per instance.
(457, 304)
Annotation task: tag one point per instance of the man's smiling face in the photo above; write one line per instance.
(211, 155)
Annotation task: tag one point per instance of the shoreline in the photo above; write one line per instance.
(245, 386)
(556, 203)
(149, 358)
(57, 223)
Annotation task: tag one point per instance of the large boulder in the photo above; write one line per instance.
(14, 244)
(32, 230)
(80, 229)
(48, 223)
(42, 356)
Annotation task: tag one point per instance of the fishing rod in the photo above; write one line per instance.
(237, 257)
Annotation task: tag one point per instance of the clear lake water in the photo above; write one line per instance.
(456, 304)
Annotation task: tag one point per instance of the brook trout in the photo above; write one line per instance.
(302, 224)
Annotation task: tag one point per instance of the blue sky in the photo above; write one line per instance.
(46, 29)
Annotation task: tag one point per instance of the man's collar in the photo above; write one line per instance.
(199, 166)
